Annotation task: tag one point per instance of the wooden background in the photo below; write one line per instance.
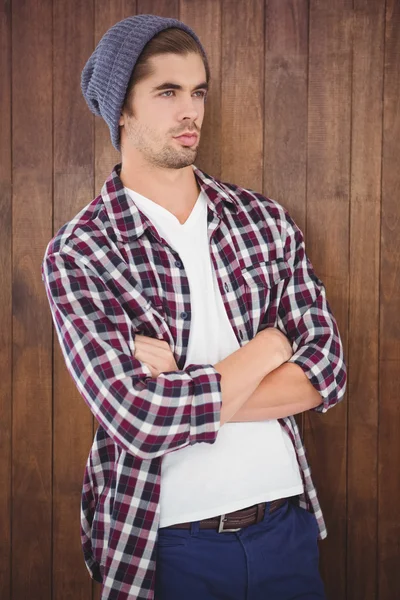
(304, 107)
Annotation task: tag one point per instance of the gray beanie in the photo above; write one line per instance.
(106, 75)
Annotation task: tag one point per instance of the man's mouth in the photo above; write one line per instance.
(187, 139)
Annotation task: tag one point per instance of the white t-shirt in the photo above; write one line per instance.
(249, 462)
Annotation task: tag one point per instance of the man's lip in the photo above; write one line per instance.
(187, 135)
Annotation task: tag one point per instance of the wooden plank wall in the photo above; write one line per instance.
(304, 106)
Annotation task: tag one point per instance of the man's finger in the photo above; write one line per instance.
(149, 352)
(146, 358)
(151, 341)
(156, 351)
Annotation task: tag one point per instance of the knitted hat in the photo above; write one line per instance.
(106, 75)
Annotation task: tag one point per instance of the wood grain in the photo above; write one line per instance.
(242, 94)
(328, 183)
(285, 132)
(367, 82)
(162, 8)
(5, 300)
(32, 331)
(389, 363)
(73, 189)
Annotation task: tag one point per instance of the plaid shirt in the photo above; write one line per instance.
(108, 275)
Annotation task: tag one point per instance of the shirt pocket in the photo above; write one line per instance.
(267, 274)
(263, 284)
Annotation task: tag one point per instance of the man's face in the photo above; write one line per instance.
(166, 104)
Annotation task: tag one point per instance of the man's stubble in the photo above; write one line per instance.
(155, 150)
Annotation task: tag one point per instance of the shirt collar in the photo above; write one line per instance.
(129, 223)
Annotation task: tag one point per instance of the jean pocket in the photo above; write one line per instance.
(171, 538)
(310, 518)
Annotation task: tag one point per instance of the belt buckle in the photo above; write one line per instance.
(221, 525)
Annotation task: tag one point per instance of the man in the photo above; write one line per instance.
(195, 328)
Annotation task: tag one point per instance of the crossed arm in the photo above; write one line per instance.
(151, 416)
(257, 382)
(266, 378)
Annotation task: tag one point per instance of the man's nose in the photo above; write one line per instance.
(188, 110)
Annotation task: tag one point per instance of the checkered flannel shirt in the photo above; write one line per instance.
(109, 275)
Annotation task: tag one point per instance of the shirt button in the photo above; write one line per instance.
(184, 315)
(226, 286)
(178, 264)
(241, 334)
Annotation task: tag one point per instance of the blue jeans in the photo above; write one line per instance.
(276, 559)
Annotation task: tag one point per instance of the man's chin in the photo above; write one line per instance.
(172, 159)
(185, 158)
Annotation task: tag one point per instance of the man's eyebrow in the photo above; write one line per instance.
(174, 86)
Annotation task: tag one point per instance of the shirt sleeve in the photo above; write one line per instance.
(146, 416)
(305, 316)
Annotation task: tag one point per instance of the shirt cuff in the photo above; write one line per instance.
(205, 414)
(318, 369)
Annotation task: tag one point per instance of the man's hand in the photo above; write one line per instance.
(156, 354)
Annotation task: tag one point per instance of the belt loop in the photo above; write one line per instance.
(194, 528)
(267, 509)
(259, 512)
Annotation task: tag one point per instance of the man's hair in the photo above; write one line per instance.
(168, 41)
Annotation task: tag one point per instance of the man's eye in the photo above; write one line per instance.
(200, 94)
(167, 92)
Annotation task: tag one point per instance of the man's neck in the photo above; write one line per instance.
(176, 190)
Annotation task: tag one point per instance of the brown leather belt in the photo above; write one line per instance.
(235, 520)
